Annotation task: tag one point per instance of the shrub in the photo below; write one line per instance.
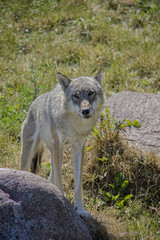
(118, 170)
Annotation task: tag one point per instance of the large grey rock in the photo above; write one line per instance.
(144, 107)
(33, 208)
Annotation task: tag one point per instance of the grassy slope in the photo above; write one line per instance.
(38, 38)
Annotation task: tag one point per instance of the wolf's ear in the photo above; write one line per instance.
(63, 81)
(98, 76)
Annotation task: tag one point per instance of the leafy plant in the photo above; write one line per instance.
(106, 123)
(117, 194)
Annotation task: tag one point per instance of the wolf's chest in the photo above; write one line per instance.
(79, 129)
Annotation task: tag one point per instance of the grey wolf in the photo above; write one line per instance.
(65, 115)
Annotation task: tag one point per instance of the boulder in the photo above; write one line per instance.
(33, 208)
(144, 107)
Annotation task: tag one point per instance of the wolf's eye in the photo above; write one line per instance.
(90, 93)
(76, 96)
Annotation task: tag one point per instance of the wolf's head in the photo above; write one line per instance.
(84, 94)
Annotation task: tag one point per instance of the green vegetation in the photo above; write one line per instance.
(39, 38)
(124, 177)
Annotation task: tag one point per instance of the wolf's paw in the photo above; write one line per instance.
(83, 213)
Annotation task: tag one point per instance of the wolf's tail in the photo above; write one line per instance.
(36, 161)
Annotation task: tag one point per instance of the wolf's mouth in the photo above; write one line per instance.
(86, 117)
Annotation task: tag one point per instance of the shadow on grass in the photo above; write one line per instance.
(98, 230)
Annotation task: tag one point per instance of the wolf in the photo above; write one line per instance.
(67, 114)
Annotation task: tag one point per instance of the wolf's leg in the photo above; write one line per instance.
(36, 160)
(29, 146)
(26, 155)
(78, 151)
(56, 163)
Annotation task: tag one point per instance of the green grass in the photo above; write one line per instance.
(39, 38)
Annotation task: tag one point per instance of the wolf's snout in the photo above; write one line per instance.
(86, 111)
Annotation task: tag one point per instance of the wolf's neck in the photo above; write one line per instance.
(81, 125)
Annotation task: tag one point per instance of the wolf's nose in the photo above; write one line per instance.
(85, 112)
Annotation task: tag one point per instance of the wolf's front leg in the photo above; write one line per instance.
(78, 151)
(56, 163)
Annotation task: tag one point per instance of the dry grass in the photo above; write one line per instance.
(107, 224)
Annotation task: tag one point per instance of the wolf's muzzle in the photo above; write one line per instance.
(85, 112)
